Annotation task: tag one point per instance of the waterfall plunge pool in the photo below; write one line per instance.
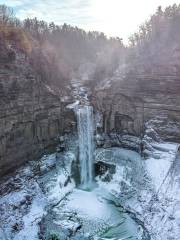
(92, 206)
(98, 215)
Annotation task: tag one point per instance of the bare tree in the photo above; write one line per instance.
(6, 14)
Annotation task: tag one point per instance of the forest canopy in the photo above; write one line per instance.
(57, 52)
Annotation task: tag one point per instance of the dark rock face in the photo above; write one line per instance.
(31, 115)
(131, 100)
(106, 169)
(119, 112)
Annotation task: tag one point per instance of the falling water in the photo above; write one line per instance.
(86, 144)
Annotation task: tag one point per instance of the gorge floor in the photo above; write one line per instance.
(41, 199)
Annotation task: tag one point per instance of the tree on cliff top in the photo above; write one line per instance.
(58, 52)
(6, 15)
(155, 47)
(11, 33)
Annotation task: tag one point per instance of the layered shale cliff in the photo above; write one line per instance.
(32, 116)
(128, 101)
(147, 84)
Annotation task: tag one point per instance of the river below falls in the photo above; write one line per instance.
(99, 216)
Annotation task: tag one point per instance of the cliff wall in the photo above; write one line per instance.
(32, 116)
(130, 101)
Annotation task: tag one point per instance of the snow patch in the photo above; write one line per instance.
(158, 168)
(30, 230)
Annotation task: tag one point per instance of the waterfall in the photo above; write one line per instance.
(86, 144)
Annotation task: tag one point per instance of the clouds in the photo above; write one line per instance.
(114, 17)
(59, 11)
(11, 3)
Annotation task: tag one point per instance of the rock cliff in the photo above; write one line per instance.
(126, 102)
(31, 114)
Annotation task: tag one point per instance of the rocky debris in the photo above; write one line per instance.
(100, 139)
(58, 225)
(47, 163)
(126, 178)
(164, 128)
(118, 140)
(105, 170)
(15, 205)
(153, 200)
(26, 196)
(152, 142)
(61, 146)
(75, 172)
(34, 205)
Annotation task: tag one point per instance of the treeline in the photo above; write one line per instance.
(162, 21)
(11, 34)
(156, 45)
(71, 47)
(57, 52)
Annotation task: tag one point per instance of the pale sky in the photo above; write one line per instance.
(113, 17)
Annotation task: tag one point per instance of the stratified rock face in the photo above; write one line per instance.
(131, 100)
(119, 112)
(31, 115)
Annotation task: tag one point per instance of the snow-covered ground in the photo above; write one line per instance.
(27, 195)
(149, 189)
(99, 217)
(155, 200)
(30, 229)
(159, 165)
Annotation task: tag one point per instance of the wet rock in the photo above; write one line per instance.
(68, 180)
(47, 163)
(17, 227)
(61, 147)
(118, 140)
(75, 172)
(105, 170)
(100, 140)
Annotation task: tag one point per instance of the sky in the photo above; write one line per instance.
(113, 17)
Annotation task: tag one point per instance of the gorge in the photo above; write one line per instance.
(89, 131)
